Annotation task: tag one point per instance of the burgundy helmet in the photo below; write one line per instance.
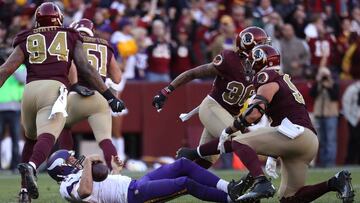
(84, 26)
(249, 38)
(264, 56)
(48, 14)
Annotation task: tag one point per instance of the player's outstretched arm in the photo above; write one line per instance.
(11, 64)
(86, 182)
(202, 71)
(93, 77)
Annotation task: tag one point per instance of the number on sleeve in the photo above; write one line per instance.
(297, 95)
(93, 60)
(36, 47)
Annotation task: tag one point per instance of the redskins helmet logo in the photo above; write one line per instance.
(247, 38)
(259, 55)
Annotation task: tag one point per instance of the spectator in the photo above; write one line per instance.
(325, 92)
(142, 42)
(355, 23)
(342, 44)
(331, 20)
(10, 97)
(273, 29)
(285, 8)
(159, 55)
(238, 15)
(298, 21)
(295, 56)
(322, 49)
(351, 111)
(183, 57)
(264, 9)
(225, 40)
(350, 62)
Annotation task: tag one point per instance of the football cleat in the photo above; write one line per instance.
(188, 153)
(24, 196)
(262, 188)
(238, 188)
(29, 173)
(341, 182)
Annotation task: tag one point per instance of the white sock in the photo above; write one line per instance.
(23, 190)
(32, 164)
(120, 147)
(222, 185)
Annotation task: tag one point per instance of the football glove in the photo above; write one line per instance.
(82, 90)
(270, 167)
(223, 138)
(115, 104)
(159, 99)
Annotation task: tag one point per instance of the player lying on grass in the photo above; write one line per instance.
(292, 137)
(167, 182)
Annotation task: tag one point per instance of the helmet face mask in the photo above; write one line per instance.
(48, 14)
(59, 164)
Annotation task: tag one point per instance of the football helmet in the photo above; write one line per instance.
(249, 38)
(84, 26)
(264, 56)
(48, 14)
(58, 166)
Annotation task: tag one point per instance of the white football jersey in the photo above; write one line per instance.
(113, 189)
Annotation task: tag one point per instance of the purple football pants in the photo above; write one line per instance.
(180, 177)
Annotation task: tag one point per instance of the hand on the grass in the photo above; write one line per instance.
(270, 167)
(116, 165)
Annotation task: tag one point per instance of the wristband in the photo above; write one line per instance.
(167, 90)
(108, 95)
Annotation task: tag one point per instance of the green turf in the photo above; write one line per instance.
(9, 185)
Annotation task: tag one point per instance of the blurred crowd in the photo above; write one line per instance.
(156, 40)
(159, 39)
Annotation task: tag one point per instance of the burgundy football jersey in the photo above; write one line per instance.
(320, 47)
(99, 53)
(233, 87)
(48, 52)
(287, 102)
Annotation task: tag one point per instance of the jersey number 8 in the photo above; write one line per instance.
(36, 47)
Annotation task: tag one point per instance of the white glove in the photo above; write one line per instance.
(270, 167)
(223, 137)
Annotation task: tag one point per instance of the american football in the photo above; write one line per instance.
(176, 101)
(99, 172)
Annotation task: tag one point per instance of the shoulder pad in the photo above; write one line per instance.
(21, 37)
(266, 76)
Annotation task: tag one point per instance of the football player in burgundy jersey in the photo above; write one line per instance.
(291, 137)
(47, 50)
(231, 88)
(90, 105)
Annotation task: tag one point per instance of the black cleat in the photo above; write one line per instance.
(262, 189)
(238, 188)
(188, 153)
(24, 197)
(30, 177)
(341, 182)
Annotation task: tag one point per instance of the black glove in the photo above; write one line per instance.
(115, 104)
(82, 90)
(159, 99)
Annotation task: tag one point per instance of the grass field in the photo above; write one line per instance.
(9, 185)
